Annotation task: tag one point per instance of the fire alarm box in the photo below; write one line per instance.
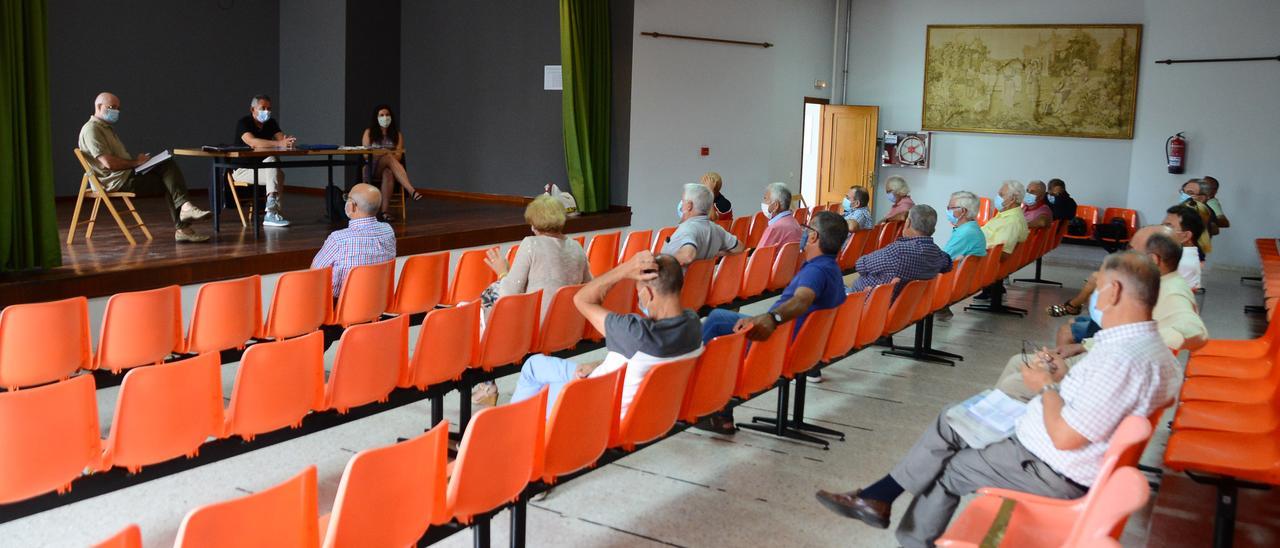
(906, 149)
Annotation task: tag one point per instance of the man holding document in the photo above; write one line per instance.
(1058, 442)
(120, 172)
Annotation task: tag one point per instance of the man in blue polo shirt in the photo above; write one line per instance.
(967, 238)
(818, 285)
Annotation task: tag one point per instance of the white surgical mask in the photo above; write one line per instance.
(384, 121)
(264, 115)
(764, 208)
(111, 115)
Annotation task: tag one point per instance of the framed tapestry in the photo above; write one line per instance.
(1060, 80)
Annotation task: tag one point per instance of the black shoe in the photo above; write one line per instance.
(718, 424)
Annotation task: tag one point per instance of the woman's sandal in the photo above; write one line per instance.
(417, 194)
(1064, 309)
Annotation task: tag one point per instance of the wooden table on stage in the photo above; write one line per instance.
(253, 159)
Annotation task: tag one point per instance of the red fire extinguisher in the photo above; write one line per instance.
(1175, 153)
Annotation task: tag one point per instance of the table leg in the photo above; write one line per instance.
(257, 210)
(215, 196)
(328, 194)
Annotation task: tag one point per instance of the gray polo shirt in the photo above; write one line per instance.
(706, 237)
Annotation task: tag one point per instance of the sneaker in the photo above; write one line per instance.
(273, 218)
(189, 212)
(484, 395)
(273, 204)
(186, 235)
(816, 377)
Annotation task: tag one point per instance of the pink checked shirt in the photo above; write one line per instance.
(364, 241)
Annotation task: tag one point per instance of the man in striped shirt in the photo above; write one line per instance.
(365, 240)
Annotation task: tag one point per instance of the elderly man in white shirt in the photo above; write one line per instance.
(1058, 444)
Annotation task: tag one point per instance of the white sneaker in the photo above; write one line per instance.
(189, 212)
(273, 218)
(186, 235)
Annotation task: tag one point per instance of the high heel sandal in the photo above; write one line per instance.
(417, 194)
(1064, 309)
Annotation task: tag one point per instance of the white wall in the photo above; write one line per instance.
(746, 103)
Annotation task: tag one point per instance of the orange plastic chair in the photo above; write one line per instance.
(389, 495)
(697, 284)
(365, 294)
(44, 342)
(874, 314)
(603, 252)
(1088, 214)
(511, 333)
(714, 377)
(873, 241)
(725, 223)
(854, 248)
(445, 343)
(140, 328)
(891, 231)
(986, 210)
(471, 277)
(759, 267)
(370, 360)
(424, 283)
(563, 326)
(621, 299)
(276, 385)
(727, 280)
(741, 228)
(758, 224)
(227, 314)
(966, 277)
(763, 364)
(511, 253)
(844, 329)
(164, 412)
(50, 436)
(801, 215)
(303, 301)
(1129, 216)
(784, 266)
(663, 235)
(902, 312)
(578, 428)
(653, 410)
(500, 453)
(637, 241)
(281, 516)
(129, 537)
(803, 353)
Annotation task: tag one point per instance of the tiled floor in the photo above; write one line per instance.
(693, 489)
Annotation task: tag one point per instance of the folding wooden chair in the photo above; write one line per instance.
(91, 187)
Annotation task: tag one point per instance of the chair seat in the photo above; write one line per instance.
(1249, 457)
(1255, 348)
(1227, 390)
(1227, 417)
(110, 194)
(1236, 368)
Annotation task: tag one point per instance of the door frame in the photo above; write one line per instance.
(807, 101)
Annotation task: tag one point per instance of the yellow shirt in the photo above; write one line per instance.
(1009, 227)
(1176, 317)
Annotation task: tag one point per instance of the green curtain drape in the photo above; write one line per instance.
(584, 56)
(28, 224)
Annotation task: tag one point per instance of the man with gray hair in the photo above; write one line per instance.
(1008, 227)
(913, 256)
(697, 237)
(776, 206)
(365, 241)
(260, 130)
(966, 237)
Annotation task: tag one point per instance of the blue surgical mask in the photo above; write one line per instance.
(1183, 196)
(893, 198)
(264, 115)
(1094, 313)
(1029, 199)
(111, 115)
(680, 209)
(643, 310)
(846, 204)
(951, 217)
(1051, 198)
(997, 201)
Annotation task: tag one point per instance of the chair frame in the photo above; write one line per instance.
(92, 187)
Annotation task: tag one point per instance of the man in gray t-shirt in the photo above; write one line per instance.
(697, 237)
(664, 333)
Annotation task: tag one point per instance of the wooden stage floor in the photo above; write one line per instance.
(108, 264)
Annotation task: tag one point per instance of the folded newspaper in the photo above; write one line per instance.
(985, 418)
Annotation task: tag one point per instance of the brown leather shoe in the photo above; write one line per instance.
(869, 511)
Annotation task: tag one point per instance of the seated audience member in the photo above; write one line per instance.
(899, 195)
(384, 132)
(113, 166)
(1062, 204)
(696, 237)
(545, 261)
(913, 256)
(722, 208)
(664, 333)
(1211, 192)
(1035, 207)
(260, 130)
(783, 228)
(818, 285)
(365, 240)
(1008, 227)
(966, 238)
(855, 209)
(1058, 443)
(1192, 196)
(1175, 314)
(1186, 227)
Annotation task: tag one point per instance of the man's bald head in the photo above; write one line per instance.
(1158, 242)
(1139, 240)
(104, 101)
(365, 199)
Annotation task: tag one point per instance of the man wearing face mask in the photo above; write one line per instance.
(1008, 227)
(365, 241)
(1035, 207)
(855, 209)
(260, 130)
(697, 237)
(966, 237)
(1193, 194)
(1186, 227)
(913, 256)
(114, 168)
(1061, 202)
(776, 206)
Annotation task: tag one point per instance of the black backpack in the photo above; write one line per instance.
(1077, 227)
(1116, 229)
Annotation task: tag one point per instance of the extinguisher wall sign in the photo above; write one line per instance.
(1175, 153)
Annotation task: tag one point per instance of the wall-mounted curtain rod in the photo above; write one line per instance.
(1222, 60)
(705, 39)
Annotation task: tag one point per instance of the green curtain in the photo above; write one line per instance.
(28, 224)
(584, 56)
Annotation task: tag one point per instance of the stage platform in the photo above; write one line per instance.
(108, 264)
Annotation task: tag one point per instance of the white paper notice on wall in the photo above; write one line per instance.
(551, 79)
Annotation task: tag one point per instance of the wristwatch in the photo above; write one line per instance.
(1050, 386)
(776, 317)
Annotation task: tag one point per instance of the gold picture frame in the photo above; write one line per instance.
(1057, 80)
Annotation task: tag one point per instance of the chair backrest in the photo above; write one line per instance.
(303, 301)
(725, 222)
(758, 223)
(276, 385)
(365, 294)
(844, 329)
(95, 184)
(471, 277)
(966, 277)
(873, 240)
(714, 377)
(875, 314)
(697, 283)
(602, 254)
(424, 283)
(801, 215)
(50, 436)
(1123, 493)
(165, 411)
(44, 342)
(661, 238)
(808, 346)
(281, 516)
(1129, 216)
(986, 210)
(513, 326)
(500, 453)
(854, 248)
(226, 315)
(579, 424)
(656, 404)
(446, 342)
(784, 266)
(727, 280)
(990, 267)
(902, 312)
(140, 328)
(637, 241)
(621, 299)
(562, 325)
(759, 266)
(940, 294)
(369, 362)
(389, 495)
(763, 364)
(891, 231)
(741, 229)
(129, 537)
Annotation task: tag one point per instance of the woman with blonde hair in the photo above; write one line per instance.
(899, 194)
(722, 207)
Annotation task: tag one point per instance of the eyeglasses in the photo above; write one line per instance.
(1028, 349)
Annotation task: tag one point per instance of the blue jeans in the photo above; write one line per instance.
(539, 371)
(719, 322)
(1083, 327)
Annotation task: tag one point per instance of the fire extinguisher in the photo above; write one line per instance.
(1175, 153)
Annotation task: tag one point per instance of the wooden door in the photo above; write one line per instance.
(847, 153)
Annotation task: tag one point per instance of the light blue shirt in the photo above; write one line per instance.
(966, 239)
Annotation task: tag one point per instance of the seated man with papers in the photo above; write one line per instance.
(1057, 444)
(120, 172)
